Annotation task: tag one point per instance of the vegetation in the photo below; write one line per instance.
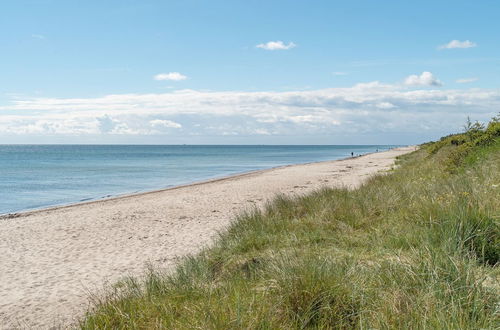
(418, 248)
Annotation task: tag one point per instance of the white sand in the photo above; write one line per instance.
(50, 260)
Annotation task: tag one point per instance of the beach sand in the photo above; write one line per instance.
(52, 260)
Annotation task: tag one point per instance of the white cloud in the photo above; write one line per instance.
(175, 76)
(162, 123)
(108, 125)
(425, 79)
(466, 80)
(368, 108)
(458, 44)
(261, 131)
(276, 45)
(385, 105)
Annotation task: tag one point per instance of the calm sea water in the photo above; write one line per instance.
(37, 176)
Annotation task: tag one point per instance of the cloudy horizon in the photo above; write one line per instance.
(133, 81)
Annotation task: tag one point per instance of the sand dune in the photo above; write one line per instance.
(51, 260)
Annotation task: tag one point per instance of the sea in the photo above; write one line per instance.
(40, 176)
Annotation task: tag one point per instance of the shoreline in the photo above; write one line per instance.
(55, 259)
(26, 212)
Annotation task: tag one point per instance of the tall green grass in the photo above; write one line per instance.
(418, 248)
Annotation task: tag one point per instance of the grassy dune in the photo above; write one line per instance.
(418, 248)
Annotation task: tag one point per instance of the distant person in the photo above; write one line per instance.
(352, 154)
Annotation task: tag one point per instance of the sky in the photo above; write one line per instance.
(245, 72)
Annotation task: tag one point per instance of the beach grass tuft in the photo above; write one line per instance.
(418, 247)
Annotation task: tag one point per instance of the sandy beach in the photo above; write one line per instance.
(53, 259)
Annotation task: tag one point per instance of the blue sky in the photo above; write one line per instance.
(344, 71)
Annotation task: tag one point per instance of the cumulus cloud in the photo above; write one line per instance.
(261, 131)
(162, 123)
(175, 76)
(108, 125)
(466, 80)
(424, 79)
(276, 45)
(368, 108)
(458, 44)
(385, 105)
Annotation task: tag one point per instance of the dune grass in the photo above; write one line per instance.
(418, 248)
